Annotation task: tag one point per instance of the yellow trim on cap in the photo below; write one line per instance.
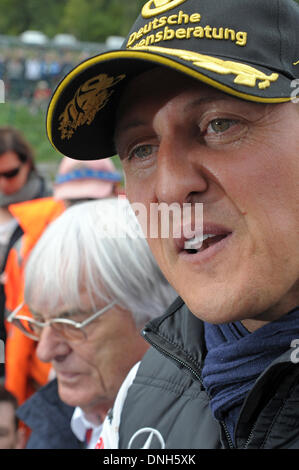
(161, 6)
(148, 57)
(244, 74)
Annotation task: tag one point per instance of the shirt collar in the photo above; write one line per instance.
(79, 424)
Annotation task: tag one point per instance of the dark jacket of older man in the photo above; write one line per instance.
(49, 420)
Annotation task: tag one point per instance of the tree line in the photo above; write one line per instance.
(87, 20)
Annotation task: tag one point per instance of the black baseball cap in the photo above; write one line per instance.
(246, 48)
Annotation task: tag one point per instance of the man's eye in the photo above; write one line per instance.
(143, 151)
(220, 125)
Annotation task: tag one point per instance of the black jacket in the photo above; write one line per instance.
(167, 395)
(49, 420)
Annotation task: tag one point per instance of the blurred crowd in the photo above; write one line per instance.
(30, 76)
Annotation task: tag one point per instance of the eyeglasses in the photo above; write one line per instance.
(69, 329)
(11, 173)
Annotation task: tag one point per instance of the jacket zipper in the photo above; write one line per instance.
(167, 354)
(227, 434)
(249, 437)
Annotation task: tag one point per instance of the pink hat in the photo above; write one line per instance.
(93, 179)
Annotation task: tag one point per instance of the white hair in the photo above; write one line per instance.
(97, 248)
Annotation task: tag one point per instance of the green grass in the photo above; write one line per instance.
(33, 128)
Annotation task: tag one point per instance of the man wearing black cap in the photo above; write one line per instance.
(198, 105)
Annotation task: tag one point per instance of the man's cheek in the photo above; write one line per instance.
(160, 249)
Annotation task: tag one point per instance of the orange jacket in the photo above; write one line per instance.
(24, 372)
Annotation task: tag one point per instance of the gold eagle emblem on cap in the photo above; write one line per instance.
(245, 74)
(88, 100)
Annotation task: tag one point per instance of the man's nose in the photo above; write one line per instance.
(178, 174)
(51, 344)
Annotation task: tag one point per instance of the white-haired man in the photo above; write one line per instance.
(91, 283)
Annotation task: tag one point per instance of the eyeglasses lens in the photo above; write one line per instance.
(28, 327)
(68, 331)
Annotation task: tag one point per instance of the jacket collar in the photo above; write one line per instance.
(178, 334)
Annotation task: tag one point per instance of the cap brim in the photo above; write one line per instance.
(81, 114)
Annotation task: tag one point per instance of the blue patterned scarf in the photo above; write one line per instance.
(236, 358)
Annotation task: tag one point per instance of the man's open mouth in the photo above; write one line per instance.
(200, 243)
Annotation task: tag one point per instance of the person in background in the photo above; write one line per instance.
(78, 181)
(32, 73)
(41, 96)
(11, 436)
(19, 181)
(75, 182)
(91, 283)
(24, 373)
(13, 74)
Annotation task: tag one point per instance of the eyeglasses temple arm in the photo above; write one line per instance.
(13, 314)
(88, 320)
